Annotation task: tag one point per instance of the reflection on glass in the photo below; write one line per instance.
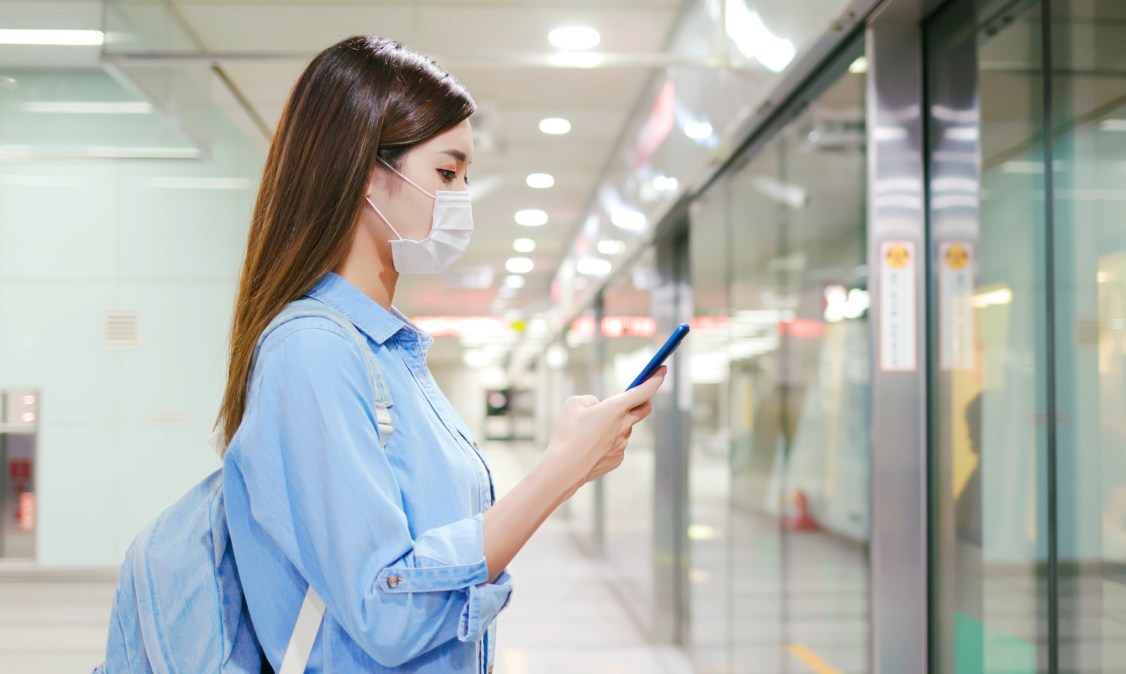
(709, 478)
(685, 110)
(989, 389)
(82, 115)
(779, 474)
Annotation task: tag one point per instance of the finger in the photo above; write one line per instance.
(641, 411)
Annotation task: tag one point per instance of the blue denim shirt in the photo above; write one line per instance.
(390, 539)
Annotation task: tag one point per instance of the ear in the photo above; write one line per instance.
(378, 182)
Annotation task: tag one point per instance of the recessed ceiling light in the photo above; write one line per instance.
(698, 130)
(665, 184)
(611, 247)
(519, 265)
(574, 37)
(514, 281)
(628, 219)
(523, 245)
(531, 217)
(62, 38)
(859, 66)
(593, 266)
(1113, 125)
(555, 126)
(540, 181)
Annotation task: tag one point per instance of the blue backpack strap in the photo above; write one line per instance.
(312, 611)
(309, 307)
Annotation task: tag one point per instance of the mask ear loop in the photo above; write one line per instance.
(380, 214)
(413, 183)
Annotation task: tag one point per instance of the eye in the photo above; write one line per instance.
(447, 175)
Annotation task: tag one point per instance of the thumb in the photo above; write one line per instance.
(643, 392)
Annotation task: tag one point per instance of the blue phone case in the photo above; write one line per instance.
(662, 354)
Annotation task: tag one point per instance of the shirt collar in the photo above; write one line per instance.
(372, 319)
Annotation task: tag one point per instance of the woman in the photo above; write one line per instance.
(366, 179)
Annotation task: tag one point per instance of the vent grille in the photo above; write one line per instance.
(123, 329)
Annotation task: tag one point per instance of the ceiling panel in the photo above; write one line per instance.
(444, 29)
(496, 49)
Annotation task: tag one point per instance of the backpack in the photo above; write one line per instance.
(179, 606)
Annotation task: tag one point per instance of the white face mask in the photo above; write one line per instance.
(448, 238)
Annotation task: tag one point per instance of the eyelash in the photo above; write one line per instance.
(448, 176)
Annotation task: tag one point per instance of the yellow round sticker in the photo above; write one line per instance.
(897, 256)
(957, 257)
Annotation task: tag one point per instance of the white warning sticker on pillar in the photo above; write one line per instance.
(955, 305)
(898, 307)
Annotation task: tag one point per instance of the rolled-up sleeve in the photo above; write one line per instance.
(323, 489)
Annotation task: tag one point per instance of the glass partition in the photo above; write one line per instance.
(1088, 197)
(780, 361)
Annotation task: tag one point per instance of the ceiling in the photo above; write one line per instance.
(499, 50)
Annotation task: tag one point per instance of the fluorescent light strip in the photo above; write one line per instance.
(62, 38)
(32, 153)
(88, 107)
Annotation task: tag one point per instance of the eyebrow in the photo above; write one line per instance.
(456, 154)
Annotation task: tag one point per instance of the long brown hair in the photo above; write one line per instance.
(360, 100)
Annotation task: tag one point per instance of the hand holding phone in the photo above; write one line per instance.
(662, 354)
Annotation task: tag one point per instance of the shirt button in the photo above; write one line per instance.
(475, 445)
(392, 582)
(490, 669)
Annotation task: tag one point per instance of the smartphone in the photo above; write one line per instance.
(662, 354)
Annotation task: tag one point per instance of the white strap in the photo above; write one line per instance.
(384, 422)
(304, 634)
